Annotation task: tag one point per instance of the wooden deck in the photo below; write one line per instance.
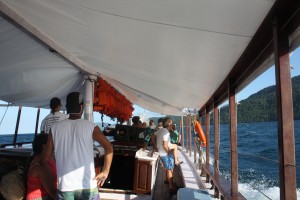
(186, 175)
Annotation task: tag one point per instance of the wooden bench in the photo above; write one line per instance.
(221, 186)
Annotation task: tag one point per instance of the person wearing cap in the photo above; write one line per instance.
(54, 115)
(72, 142)
(159, 124)
(136, 122)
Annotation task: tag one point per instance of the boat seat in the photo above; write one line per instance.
(192, 194)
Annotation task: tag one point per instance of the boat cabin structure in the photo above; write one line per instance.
(165, 56)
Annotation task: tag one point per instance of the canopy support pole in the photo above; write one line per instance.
(233, 142)
(187, 133)
(216, 139)
(89, 97)
(17, 126)
(190, 133)
(207, 123)
(286, 143)
(37, 121)
(182, 132)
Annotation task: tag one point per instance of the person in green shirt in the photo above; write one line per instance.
(174, 135)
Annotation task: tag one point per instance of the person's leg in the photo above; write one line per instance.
(166, 173)
(179, 139)
(168, 162)
(174, 152)
(65, 195)
(170, 179)
(88, 194)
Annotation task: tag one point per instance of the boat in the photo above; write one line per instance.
(166, 56)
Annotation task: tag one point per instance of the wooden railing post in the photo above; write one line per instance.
(207, 123)
(233, 142)
(195, 151)
(182, 132)
(187, 134)
(216, 140)
(286, 143)
(190, 134)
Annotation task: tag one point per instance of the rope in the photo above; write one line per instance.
(4, 114)
(261, 192)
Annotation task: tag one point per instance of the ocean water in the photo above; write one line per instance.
(257, 157)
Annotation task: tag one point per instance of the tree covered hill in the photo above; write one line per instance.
(259, 107)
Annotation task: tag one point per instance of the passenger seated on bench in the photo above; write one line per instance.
(167, 151)
(41, 180)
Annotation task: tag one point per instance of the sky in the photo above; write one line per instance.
(8, 116)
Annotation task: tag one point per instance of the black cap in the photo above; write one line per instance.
(74, 102)
(54, 102)
(135, 119)
(160, 120)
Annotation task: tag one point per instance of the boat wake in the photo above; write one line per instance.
(267, 193)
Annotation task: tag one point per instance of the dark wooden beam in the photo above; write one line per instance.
(286, 143)
(259, 48)
(207, 125)
(216, 139)
(233, 142)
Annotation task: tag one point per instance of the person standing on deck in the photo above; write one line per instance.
(167, 151)
(72, 141)
(54, 116)
(175, 136)
(151, 124)
(159, 124)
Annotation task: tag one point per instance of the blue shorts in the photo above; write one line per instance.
(168, 161)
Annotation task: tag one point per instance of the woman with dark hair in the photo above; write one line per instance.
(54, 115)
(41, 180)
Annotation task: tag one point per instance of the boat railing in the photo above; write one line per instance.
(17, 144)
(220, 185)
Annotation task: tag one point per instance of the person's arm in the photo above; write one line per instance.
(43, 126)
(166, 146)
(153, 140)
(47, 181)
(108, 156)
(49, 150)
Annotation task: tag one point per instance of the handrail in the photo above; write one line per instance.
(19, 144)
(221, 186)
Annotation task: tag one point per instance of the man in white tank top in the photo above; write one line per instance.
(72, 141)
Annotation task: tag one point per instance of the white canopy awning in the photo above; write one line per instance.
(162, 55)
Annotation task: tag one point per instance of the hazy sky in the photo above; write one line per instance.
(28, 116)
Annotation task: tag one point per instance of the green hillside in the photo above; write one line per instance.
(261, 106)
(258, 107)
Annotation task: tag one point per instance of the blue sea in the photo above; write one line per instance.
(257, 157)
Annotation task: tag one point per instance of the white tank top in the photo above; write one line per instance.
(73, 146)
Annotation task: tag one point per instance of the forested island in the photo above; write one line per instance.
(259, 107)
